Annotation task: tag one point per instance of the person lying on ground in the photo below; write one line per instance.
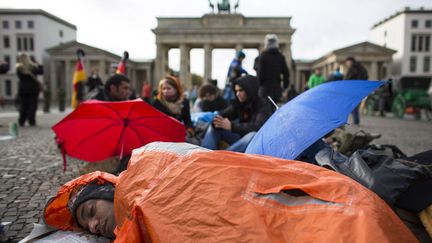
(181, 192)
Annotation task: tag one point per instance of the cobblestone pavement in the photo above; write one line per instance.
(31, 166)
(30, 171)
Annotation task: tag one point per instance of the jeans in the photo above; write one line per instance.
(356, 116)
(242, 143)
(214, 135)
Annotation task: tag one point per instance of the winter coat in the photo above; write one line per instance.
(270, 66)
(253, 113)
(181, 192)
(93, 82)
(315, 80)
(184, 117)
(235, 70)
(356, 72)
(28, 83)
(216, 105)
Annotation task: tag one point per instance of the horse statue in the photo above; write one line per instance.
(224, 6)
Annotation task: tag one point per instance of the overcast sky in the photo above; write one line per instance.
(321, 25)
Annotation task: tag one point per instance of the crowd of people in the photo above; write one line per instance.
(236, 114)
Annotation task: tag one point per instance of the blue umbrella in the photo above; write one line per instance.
(308, 117)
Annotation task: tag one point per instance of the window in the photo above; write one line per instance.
(427, 43)
(413, 64)
(6, 41)
(428, 23)
(25, 42)
(30, 24)
(420, 45)
(413, 42)
(414, 23)
(25, 46)
(17, 24)
(19, 47)
(426, 64)
(31, 43)
(5, 24)
(8, 87)
(61, 33)
(7, 59)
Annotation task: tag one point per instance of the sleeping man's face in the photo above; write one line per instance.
(97, 216)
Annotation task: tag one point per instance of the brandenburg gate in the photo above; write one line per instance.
(211, 31)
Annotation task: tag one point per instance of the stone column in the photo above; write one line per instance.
(102, 68)
(68, 81)
(185, 66)
(239, 47)
(389, 69)
(53, 80)
(160, 62)
(374, 71)
(207, 62)
(286, 51)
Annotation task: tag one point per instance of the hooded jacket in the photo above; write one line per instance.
(184, 193)
(250, 115)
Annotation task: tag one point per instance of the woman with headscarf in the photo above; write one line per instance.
(171, 101)
(28, 89)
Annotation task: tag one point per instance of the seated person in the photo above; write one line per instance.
(210, 98)
(171, 101)
(238, 123)
(190, 194)
(116, 88)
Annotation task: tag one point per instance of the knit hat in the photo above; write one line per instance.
(271, 41)
(90, 191)
(240, 54)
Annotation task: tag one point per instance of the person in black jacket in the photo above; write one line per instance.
(28, 89)
(211, 100)
(238, 123)
(356, 71)
(270, 66)
(171, 101)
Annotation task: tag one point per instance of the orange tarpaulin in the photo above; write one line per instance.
(182, 193)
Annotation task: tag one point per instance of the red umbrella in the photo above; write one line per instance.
(97, 130)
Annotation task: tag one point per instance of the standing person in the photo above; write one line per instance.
(116, 88)
(335, 76)
(146, 92)
(235, 71)
(238, 123)
(270, 67)
(171, 101)
(28, 88)
(356, 71)
(94, 80)
(316, 79)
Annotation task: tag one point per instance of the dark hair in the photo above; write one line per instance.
(352, 59)
(115, 80)
(207, 89)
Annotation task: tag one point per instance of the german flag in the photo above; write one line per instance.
(121, 68)
(78, 79)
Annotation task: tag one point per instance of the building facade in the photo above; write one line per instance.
(62, 60)
(409, 32)
(211, 31)
(376, 59)
(31, 31)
